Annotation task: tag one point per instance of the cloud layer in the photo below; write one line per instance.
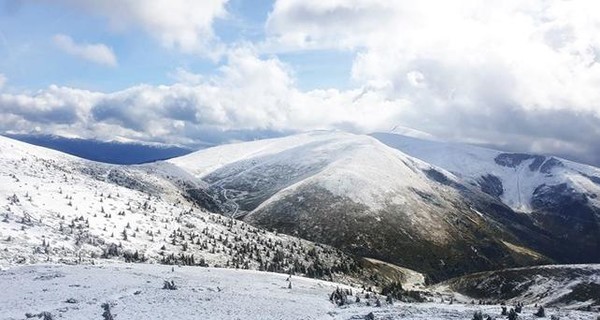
(185, 25)
(248, 94)
(521, 74)
(97, 52)
(516, 74)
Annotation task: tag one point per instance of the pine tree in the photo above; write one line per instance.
(541, 312)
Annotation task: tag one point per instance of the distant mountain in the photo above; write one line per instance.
(572, 286)
(560, 196)
(101, 151)
(356, 193)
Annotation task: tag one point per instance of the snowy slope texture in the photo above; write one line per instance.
(572, 286)
(356, 193)
(561, 196)
(136, 291)
(59, 208)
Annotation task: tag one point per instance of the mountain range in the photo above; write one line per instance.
(439, 208)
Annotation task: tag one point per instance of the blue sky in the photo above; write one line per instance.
(27, 31)
(517, 74)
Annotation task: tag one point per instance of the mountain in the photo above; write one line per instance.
(56, 207)
(349, 196)
(103, 151)
(560, 196)
(357, 194)
(572, 286)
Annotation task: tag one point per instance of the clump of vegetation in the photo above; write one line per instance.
(540, 313)
(107, 315)
(43, 315)
(169, 285)
(396, 291)
(477, 315)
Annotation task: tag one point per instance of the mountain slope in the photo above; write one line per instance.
(59, 208)
(357, 194)
(573, 286)
(134, 291)
(560, 196)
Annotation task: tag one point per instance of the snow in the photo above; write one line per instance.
(337, 161)
(68, 200)
(59, 208)
(134, 291)
(472, 162)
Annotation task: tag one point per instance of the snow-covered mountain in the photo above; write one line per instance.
(515, 178)
(58, 208)
(356, 193)
(572, 286)
(562, 197)
(353, 192)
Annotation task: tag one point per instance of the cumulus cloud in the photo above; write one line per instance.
(181, 24)
(519, 74)
(97, 52)
(516, 74)
(250, 97)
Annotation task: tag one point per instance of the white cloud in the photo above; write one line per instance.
(508, 73)
(183, 75)
(252, 97)
(181, 24)
(3, 80)
(97, 52)
(248, 95)
(518, 74)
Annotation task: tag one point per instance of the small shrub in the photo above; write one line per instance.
(540, 313)
(107, 315)
(169, 285)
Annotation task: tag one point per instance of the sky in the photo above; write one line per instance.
(519, 75)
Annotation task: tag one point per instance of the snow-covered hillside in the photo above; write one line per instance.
(513, 177)
(58, 208)
(561, 197)
(337, 161)
(356, 193)
(570, 286)
(136, 291)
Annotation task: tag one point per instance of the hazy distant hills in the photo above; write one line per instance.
(103, 151)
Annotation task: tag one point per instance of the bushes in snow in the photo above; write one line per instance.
(169, 285)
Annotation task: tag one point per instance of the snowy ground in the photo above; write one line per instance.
(134, 291)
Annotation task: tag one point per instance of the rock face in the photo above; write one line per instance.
(356, 193)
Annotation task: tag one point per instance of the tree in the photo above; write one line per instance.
(540, 313)
(477, 315)
(512, 315)
(107, 314)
